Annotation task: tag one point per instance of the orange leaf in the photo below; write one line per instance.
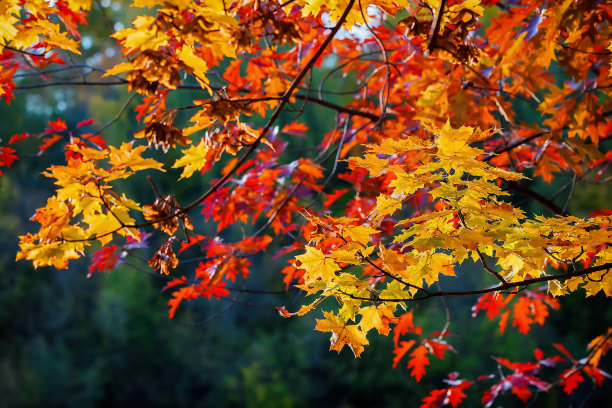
(400, 351)
(570, 383)
(418, 362)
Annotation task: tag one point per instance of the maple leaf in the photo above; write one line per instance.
(404, 325)
(7, 157)
(316, 265)
(186, 293)
(194, 159)
(129, 156)
(104, 260)
(452, 395)
(418, 362)
(359, 233)
(401, 350)
(377, 317)
(342, 334)
(570, 379)
(385, 206)
(455, 142)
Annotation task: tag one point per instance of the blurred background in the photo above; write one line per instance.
(69, 340)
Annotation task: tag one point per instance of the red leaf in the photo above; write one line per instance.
(49, 141)
(331, 198)
(418, 362)
(105, 259)
(491, 302)
(291, 273)
(521, 314)
(405, 324)
(538, 354)
(295, 129)
(563, 350)
(189, 293)
(85, 122)
(18, 137)
(438, 347)
(570, 383)
(7, 156)
(57, 125)
(456, 394)
(435, 399)
(401, 351)
(192, 241)
(503, 321)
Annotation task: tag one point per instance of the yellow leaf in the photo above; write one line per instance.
(385, 206)
(197, 64)
(194, 158)
(316, 265)
(377, 317)
(511, 264)
(406, 184)
(342, 334)
(104, 225)
(119, 68)
(390, 146)
(349, 257)
(373, 164)
(129, 156)
(144, 35)
(454, 142)
(359, 233)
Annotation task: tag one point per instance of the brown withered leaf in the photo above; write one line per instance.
(452, 41)
(163, 134)
(285, 32)
(161, 209)
(223, 110)
(153, 69)
(165, 258)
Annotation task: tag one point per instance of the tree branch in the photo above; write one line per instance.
(435, 26)
(513, 185)
(526, 282)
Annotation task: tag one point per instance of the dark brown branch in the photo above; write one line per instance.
(529, 139)
(526, 282)
(567, 47)
(338, 108)
(519, 188)
(67, 83)
(435, 26)
(278, 209)
(485, 265)
(488, 269)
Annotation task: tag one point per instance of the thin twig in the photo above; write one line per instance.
(435, 26)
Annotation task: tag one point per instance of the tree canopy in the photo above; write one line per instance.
(384, 152)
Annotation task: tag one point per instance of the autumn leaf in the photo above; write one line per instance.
(342, 334)
(401, 350)
(194, 158)
(377, 317)
(359, 233)
(129, 156)
(418, 362)
(316, 265)
(455, 142)
(570, 379)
